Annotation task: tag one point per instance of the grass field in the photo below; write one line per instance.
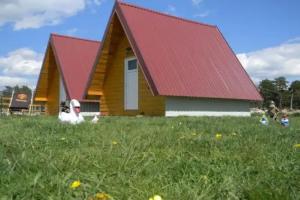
(135, 158)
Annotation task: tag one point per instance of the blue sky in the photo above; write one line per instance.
(265, 34)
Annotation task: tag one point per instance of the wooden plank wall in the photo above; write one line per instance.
(112, 101)
(42, 87)
(53, 87)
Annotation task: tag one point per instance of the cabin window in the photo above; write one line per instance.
(90, 106)
(132, 64)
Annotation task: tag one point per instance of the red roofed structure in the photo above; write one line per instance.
(65, 71)
(156, 64)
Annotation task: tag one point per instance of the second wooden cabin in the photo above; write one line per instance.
(64, 74)
(151, 63)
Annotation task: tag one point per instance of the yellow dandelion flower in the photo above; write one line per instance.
(157, 197)
(102, 196)
(114, 142)
(194, 134)
(204, 178)
(218, 136)
(297, 146)
(75, 184)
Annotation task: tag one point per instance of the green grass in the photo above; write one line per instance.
(40, 158)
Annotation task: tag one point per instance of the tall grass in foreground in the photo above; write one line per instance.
(135, 158)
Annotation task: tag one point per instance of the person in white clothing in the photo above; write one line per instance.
(74, 116)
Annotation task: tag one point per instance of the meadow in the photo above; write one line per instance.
(136, 158)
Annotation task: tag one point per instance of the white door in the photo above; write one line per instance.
(131, 94)
(62, 91)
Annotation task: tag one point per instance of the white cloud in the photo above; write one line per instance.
(282, 60)
(293, 40)
(13, 81)
(171, 8)
(71, 31)
(22, 61)
(196, 2)
(24, 14)
(21, 66)
(202, 15)
(98, 2)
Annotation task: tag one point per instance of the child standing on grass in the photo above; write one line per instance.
(273, 111)
(284, 120)
(264, 120)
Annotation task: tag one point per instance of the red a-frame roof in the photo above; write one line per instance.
(75, 58)
(184, 58)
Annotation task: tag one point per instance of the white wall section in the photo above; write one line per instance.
(183, 106)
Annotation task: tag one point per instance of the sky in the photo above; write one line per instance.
(264, 34)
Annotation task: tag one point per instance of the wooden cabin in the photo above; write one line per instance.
(154, 64)
(64, 74)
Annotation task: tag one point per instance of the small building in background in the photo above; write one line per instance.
(64, 74)
(155, 64)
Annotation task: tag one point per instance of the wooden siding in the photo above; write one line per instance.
(109, 45)
(53, 88)
(48, 84)
(112, 101)
(42, 87)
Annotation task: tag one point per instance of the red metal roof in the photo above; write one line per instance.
(184, 58)
(75, 58)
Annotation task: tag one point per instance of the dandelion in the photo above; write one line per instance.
(297, 146)
(218, 136)
(114, 142)
(75, 184)
(194, 134)
(62, 139)
(204, 178)
(156, 197)
(102, 196)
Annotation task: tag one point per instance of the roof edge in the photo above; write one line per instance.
(75, 38)
(261, 98)
(219, 98)
(164, 14)
(58, 65)
(136, 50)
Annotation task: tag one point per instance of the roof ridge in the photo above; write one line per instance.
(166, 15)
(75, 38)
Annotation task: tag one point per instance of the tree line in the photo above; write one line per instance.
(18, 89)
(283, 93)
